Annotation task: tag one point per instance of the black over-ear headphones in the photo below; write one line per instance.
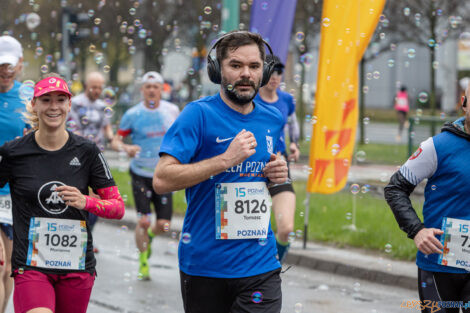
(213, 66)
(464, 101)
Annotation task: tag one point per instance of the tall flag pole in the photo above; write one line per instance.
(273, 21)
(347, 27)
(230, 15)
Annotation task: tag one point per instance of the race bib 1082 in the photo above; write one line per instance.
(57, 243)
(242, 210)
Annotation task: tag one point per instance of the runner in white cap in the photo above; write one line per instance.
(11, 126)
(146, 123)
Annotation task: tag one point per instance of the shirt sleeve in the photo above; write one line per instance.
(291, 103)
(4, 166)
(125, 128)
(184, 137)
(294, 130)
(422, 164)
(100, 174)
(292, 123)
(110, 205)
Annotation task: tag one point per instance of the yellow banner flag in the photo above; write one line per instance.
(347, 26)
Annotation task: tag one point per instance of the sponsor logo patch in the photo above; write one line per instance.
(218, 140)
(75, 162)
(416, 154)
(49, 198)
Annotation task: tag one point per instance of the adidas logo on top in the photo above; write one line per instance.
(75, 162)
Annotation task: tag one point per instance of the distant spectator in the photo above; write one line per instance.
(402, 107)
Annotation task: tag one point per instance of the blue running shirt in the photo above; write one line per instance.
(204, 130)
(147, 128)
(11, 119)
(286, 105)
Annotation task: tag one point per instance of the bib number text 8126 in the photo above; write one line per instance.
(250, 206)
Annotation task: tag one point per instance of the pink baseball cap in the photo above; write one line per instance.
(51, 84)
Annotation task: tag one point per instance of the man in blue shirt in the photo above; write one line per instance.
(222, 150)
(12, 125)
(283, 194)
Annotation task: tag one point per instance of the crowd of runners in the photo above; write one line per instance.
(56, 182)
(228, 151)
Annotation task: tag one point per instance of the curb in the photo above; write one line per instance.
(339, 268)
(314, 261)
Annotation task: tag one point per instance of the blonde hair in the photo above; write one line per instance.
(31, 117)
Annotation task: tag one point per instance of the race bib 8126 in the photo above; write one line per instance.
(242, 210)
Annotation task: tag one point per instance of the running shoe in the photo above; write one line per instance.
(144, 270)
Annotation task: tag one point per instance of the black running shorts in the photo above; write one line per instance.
(144, 195)
(448, 290)
(254, 294)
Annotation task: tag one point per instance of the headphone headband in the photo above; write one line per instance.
(237, 32)
(214, 68)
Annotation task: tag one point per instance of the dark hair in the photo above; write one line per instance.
(236, 39)
(403, 88)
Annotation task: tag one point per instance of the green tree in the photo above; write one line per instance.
(427, 23)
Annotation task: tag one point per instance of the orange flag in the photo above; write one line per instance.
(347, 27)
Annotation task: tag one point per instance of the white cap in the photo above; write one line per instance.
(10, 50)
(152, 77)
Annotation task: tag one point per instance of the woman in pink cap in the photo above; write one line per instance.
(49, 171)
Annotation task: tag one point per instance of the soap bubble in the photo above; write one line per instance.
(355, 189)
(186, 238)
(257, 297)
(360, 156)
(207, 10)
(423, 97)
(109, 96)
(26, 90)
(33, 20)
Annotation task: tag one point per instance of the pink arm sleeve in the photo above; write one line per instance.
(110, 205)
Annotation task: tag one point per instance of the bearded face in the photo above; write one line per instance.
(242, 71)
(242, 91)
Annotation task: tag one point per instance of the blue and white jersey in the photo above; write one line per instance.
(205, 129)
(11, 119)
(286, 105)
(147, 127)
(445, 161)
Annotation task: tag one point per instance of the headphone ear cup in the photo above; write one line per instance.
(213, 70)
(268, 70)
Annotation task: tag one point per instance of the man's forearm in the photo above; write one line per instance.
(172, 176)
(109, 132)
(116, 144)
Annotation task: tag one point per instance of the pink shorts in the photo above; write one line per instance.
(64, 293)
